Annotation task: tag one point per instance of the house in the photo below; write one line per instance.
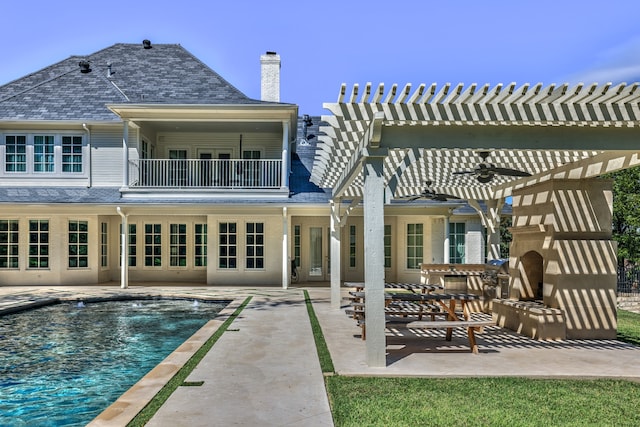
(143, 146)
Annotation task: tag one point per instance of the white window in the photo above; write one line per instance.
(255, 245)
(15, 153)
(53, 154)
(71, 154)
(153, 245)
(415, 242)
(9, 243)
(457, 242)
(227, 249)
(43, 157)
(178, 245)
(200, 245)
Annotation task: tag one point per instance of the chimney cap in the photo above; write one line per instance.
(146, 44)
(270, 52)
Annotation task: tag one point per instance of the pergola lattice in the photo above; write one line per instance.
(433, 132)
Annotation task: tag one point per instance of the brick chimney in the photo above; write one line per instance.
(270, 77)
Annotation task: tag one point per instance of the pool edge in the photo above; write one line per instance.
(131, 402)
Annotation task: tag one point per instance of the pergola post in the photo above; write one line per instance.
(374, 260)
(335, 257)
(491, 220)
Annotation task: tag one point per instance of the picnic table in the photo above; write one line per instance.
(447, 303)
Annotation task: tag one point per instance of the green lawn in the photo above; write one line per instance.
(375, 401)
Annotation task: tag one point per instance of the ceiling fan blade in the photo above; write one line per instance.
(464, 172)
(441, 196)
(510, 172)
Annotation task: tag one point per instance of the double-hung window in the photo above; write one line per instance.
(78, 244)
(71, 154)
(8, 243)
(43, 153)
(15, 153)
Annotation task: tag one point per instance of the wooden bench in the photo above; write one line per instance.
(472, 326)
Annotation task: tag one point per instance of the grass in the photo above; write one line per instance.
(179, 378)
(326, 364)
(482, 401)
(629, 327)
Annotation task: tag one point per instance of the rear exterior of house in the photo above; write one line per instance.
(144, 147)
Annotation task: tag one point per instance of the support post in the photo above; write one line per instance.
(491, 220)
(374, 260)
(125, 154)
(286, 162)
(336, 259)
(124, 270)
(447, 258)
(286, 264)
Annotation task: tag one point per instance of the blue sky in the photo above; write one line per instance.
(325, 43)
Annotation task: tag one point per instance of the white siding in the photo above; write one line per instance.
(106, 154)
(269, 143)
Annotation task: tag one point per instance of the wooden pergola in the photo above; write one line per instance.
(382, 144)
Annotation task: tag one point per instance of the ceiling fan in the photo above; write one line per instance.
(485, 172)
(429, 194)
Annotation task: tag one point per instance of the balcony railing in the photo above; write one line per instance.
(205, 174)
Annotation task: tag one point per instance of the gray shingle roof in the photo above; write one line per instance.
(164, 74)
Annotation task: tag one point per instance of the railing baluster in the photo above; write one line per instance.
(205, 174)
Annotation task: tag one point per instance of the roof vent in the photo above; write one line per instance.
(146, 44)
(85, 67)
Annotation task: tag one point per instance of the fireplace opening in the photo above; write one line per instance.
(531, 264)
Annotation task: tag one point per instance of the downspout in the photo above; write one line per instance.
(84, 125)
(124, 271)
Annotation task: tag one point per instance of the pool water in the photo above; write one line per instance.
(62, 365)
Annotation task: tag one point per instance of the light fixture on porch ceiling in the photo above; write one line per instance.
(485, 172)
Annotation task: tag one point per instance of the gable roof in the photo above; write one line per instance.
(164, 74)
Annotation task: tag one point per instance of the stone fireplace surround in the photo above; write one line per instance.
(562, 262)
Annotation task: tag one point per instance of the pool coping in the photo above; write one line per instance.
(129, 404)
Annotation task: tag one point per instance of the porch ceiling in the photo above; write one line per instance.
(429, 133)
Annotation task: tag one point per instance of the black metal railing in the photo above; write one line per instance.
(629, 280)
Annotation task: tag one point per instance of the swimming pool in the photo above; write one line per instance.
(62, 365)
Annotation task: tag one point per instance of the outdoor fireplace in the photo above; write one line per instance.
(562, 263)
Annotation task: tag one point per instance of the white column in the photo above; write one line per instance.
(336, 257)
(284, 181)
(124, 269)
(491, 220)
(374, 261)
(125, 154)
(286, 263)
(447, 259)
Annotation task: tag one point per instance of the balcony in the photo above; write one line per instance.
(205, 174)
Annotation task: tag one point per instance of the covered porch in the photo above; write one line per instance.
(207, 149)
(480, 144)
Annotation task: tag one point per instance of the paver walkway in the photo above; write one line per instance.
(263, 371)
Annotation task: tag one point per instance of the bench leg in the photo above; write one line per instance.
(472, 339)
